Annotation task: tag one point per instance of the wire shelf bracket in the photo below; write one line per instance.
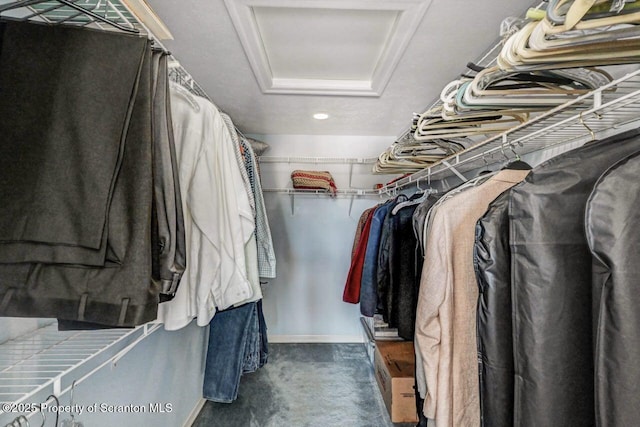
(608, 108)
(48, 361)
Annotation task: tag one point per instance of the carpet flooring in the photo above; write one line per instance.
(304, 385)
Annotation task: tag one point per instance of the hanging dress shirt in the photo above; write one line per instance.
(446, 314)
(218, 217)
(250, 248)
(266, 251)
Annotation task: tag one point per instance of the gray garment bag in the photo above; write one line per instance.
(492, 263)
(613, 232)
(551, 285)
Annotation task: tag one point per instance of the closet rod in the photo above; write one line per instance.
(347, 192)
(328, 160)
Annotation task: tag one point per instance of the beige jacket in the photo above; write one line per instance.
(447, 305)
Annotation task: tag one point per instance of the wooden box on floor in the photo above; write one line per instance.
(394, 368)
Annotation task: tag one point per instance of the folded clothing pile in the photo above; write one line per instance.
(313, 180)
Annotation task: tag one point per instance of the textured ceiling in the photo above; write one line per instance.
(452, 33)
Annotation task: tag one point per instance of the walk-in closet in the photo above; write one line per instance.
(337, 213)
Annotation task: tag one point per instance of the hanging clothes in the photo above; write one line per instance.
(612, 219)
(117, 290)
(359, 228)
(351, 292)
(250, 248)
(218, 216)
(383, 274)
(552, 285)
(167, 232)
(63, 152)
(447, 301)
(238, 336)
(266, 251)
(492, 261)
(404, 281)
(419, 220)
(237, 345)
(368, 281)
(237, 151)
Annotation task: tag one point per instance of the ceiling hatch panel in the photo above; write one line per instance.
(325, 47)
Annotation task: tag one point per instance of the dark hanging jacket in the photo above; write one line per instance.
(402, 297)
(551, 288)
(492, 263)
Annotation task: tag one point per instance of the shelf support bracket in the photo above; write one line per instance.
(350, 174)
(597, 99)
(351, 203)
(293, 203)
(455, 171)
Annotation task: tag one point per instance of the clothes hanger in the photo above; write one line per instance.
(71, 422)
(44, 418)
(517, 163)
(577, 11)
(486, 166)
(425, 194)
(187, 95)
(518, 54)
(20, 421)
(558, 9)
(593, 135)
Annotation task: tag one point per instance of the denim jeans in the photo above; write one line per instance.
(264, 344)
(237, 345)
(256, 350)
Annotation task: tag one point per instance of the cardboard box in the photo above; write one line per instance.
(394, 369)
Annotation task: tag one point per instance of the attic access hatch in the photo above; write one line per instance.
(325, 47)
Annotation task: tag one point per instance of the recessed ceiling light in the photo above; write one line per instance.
(321, 116)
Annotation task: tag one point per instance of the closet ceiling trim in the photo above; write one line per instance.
(409, 14)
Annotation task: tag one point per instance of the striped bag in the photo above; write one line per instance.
(313, 180)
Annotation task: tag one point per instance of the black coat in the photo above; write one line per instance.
(492, 263)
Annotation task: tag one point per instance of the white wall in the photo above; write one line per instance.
(167, 368)
(12, 327)
(313, 244)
